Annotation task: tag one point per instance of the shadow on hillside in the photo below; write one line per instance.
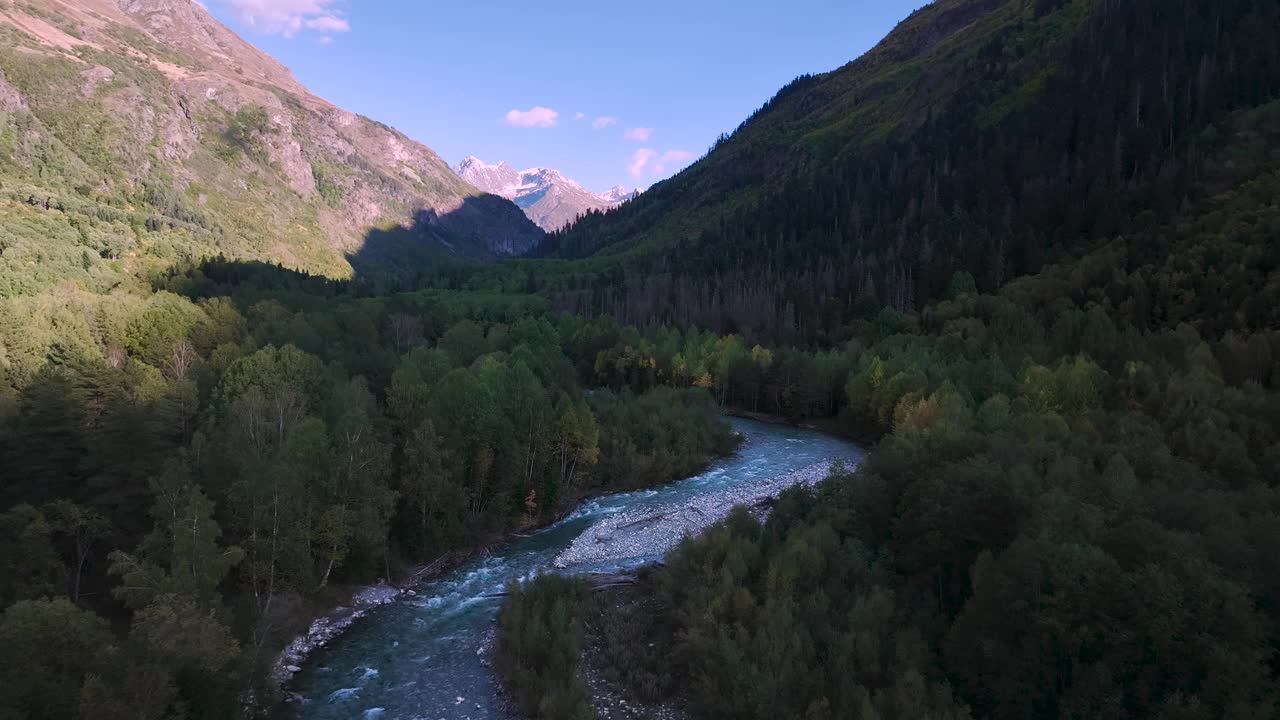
(483, 227)
(428, 252)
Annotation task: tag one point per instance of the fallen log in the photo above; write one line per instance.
(645, 519)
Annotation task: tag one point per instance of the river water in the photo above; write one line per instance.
(419, 658)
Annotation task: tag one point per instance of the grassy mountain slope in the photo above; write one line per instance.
(151, 131)
(990, 136)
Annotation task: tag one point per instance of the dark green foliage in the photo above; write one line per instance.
(48, 650)
(1056, 524)
(662, 435)
(202, 460)
(1070, 513)
(31, 567)
(791, 620)
(539, 640)
(632, 632)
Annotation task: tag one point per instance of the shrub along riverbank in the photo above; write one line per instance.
(540, 639)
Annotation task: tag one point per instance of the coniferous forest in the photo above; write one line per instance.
(1053, 277)
(1027, 251)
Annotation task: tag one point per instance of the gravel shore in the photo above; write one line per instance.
(649, 533)
(327, 627)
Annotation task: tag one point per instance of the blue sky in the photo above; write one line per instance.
(610, 93)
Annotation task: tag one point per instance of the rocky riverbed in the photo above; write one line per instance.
(329, 626)
(646, 532)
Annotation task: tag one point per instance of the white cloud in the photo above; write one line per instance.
(579, 115)
(604, 121)
(640, 161)
(638, 134)
(647, 161)
(329, 24)
(536, 116)
(288, 17)
(325, 39)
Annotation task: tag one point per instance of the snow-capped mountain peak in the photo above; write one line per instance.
(619, 194)
(547, 197)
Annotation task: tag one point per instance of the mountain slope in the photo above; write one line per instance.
(991, 136)
(548, 198)
(152, 111)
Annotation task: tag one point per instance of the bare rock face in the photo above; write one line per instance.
(547, 197)
(93, 77)
(10, 99)
(193, 114)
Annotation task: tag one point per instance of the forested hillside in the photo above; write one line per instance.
(989, 136)
(1071, 512)
(1043, 241)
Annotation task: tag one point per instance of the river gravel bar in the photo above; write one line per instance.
(649, 533)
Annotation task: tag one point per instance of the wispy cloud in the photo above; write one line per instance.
(289, 17)
(579, 115)
(536, 116)
(638, 134)
(647, 161)
(329, 24)
(640, 160)
(604, 121)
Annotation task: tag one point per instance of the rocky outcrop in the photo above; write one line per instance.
(10, 99)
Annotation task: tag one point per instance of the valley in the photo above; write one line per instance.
(1020, 261)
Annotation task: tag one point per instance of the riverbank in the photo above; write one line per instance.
(328, 626)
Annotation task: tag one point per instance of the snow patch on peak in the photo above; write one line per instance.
(548, 197)
(619, 194)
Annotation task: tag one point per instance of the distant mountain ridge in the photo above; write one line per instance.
(547, 197)
(156, 106)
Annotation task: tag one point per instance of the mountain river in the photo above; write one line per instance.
(428, 656)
